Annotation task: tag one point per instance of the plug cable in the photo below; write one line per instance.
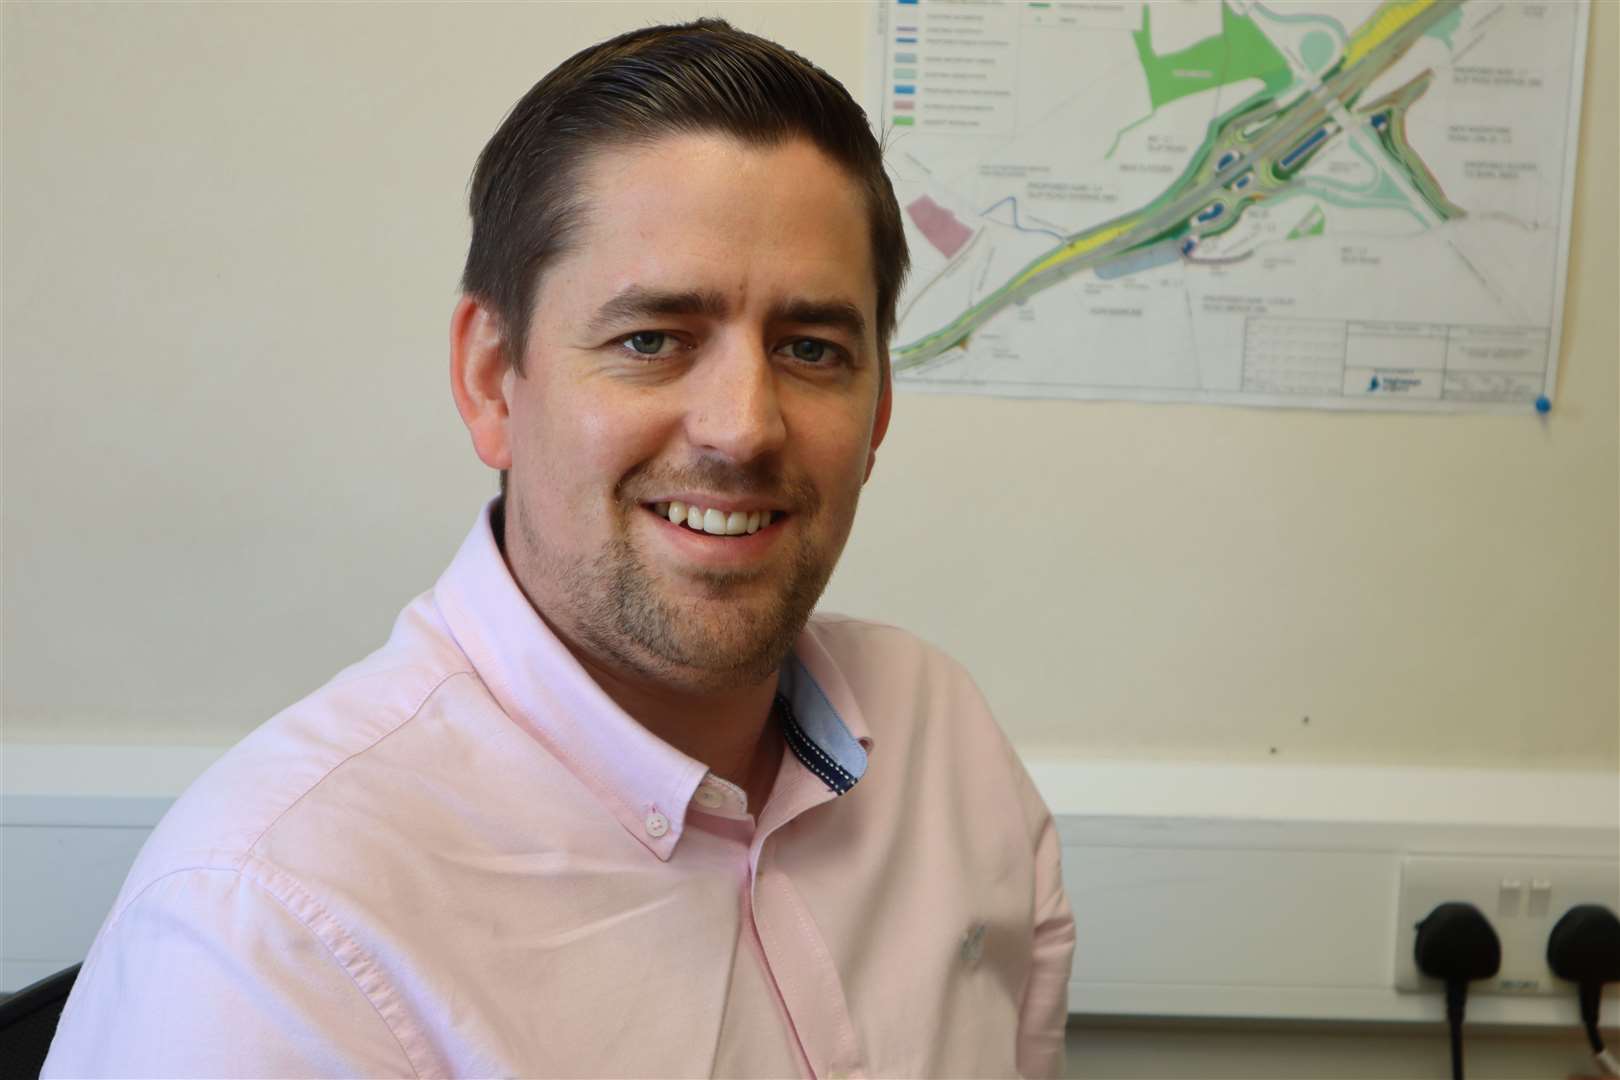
(1584, 948)
(1455, 943)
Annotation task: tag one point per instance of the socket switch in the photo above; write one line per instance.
(1523, 897)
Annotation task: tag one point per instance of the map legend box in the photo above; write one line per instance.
(1294, 356)
(959, 62)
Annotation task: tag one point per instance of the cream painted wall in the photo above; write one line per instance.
(231, 240)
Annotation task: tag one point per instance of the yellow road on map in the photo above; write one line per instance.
(1377, 30)
(1072, 249)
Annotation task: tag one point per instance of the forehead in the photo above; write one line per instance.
(756, 223)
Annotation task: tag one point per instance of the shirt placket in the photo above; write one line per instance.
(796, 955)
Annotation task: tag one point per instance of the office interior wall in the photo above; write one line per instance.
(232, 235)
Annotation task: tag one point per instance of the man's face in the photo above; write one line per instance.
(708, 342)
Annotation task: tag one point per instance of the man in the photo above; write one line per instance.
(606, 803)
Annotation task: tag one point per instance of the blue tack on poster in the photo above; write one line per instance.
(1543, 405)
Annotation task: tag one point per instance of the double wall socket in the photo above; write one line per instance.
(1523, 897)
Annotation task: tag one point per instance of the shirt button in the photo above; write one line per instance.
(708, 796)
(657, 824)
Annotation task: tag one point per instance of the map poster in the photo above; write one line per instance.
(1319, 203)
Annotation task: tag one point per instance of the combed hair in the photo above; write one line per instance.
(698, 77)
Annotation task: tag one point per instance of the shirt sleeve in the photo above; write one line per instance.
(1044, 1011)
(205, 973)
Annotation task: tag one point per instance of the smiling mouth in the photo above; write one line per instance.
(713, 522)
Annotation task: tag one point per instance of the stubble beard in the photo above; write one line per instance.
(735, 635)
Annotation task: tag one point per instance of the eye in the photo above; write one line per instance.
(811, 351)
(647, 342)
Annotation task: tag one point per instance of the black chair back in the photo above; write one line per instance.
(28, 1023)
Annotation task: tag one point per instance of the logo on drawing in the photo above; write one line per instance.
(973, 944)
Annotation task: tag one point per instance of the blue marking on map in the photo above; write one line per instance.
(1304, 148)
(1145, 259)
(1015, 224)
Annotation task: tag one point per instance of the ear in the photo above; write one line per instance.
(478, 379)
(880, 423)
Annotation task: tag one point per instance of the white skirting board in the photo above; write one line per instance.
(1209, 891)
(1270, 892)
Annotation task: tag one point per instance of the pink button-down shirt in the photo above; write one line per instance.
(461, 857)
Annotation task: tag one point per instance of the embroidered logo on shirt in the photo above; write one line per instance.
(973, 944)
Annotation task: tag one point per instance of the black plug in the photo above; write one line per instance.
(1456, 943)
(1584, 947)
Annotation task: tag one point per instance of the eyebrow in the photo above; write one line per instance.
(838, 314)
(639, 302)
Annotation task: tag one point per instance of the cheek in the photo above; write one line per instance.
(835, 452)
(578, 445)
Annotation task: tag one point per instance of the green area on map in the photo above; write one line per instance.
(1240, 51)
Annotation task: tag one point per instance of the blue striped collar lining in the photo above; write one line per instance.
(815, 732)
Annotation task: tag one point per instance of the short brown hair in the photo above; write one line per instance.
(702, 76)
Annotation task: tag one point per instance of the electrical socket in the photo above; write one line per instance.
(1522, 896)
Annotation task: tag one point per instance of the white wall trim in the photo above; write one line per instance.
(1294, 849)
(1404, 795)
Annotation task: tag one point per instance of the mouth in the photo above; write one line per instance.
(712, 521)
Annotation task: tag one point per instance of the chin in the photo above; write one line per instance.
(708, 632)
(715, 645)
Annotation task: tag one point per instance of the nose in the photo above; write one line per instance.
(735, 410)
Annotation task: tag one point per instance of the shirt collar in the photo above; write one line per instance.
(643, 781)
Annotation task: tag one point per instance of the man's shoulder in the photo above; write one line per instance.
(934, 734)
(864, 649)
(290, 761)
(854, 639)
(904, 687)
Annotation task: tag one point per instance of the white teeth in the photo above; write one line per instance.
(714, 522)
